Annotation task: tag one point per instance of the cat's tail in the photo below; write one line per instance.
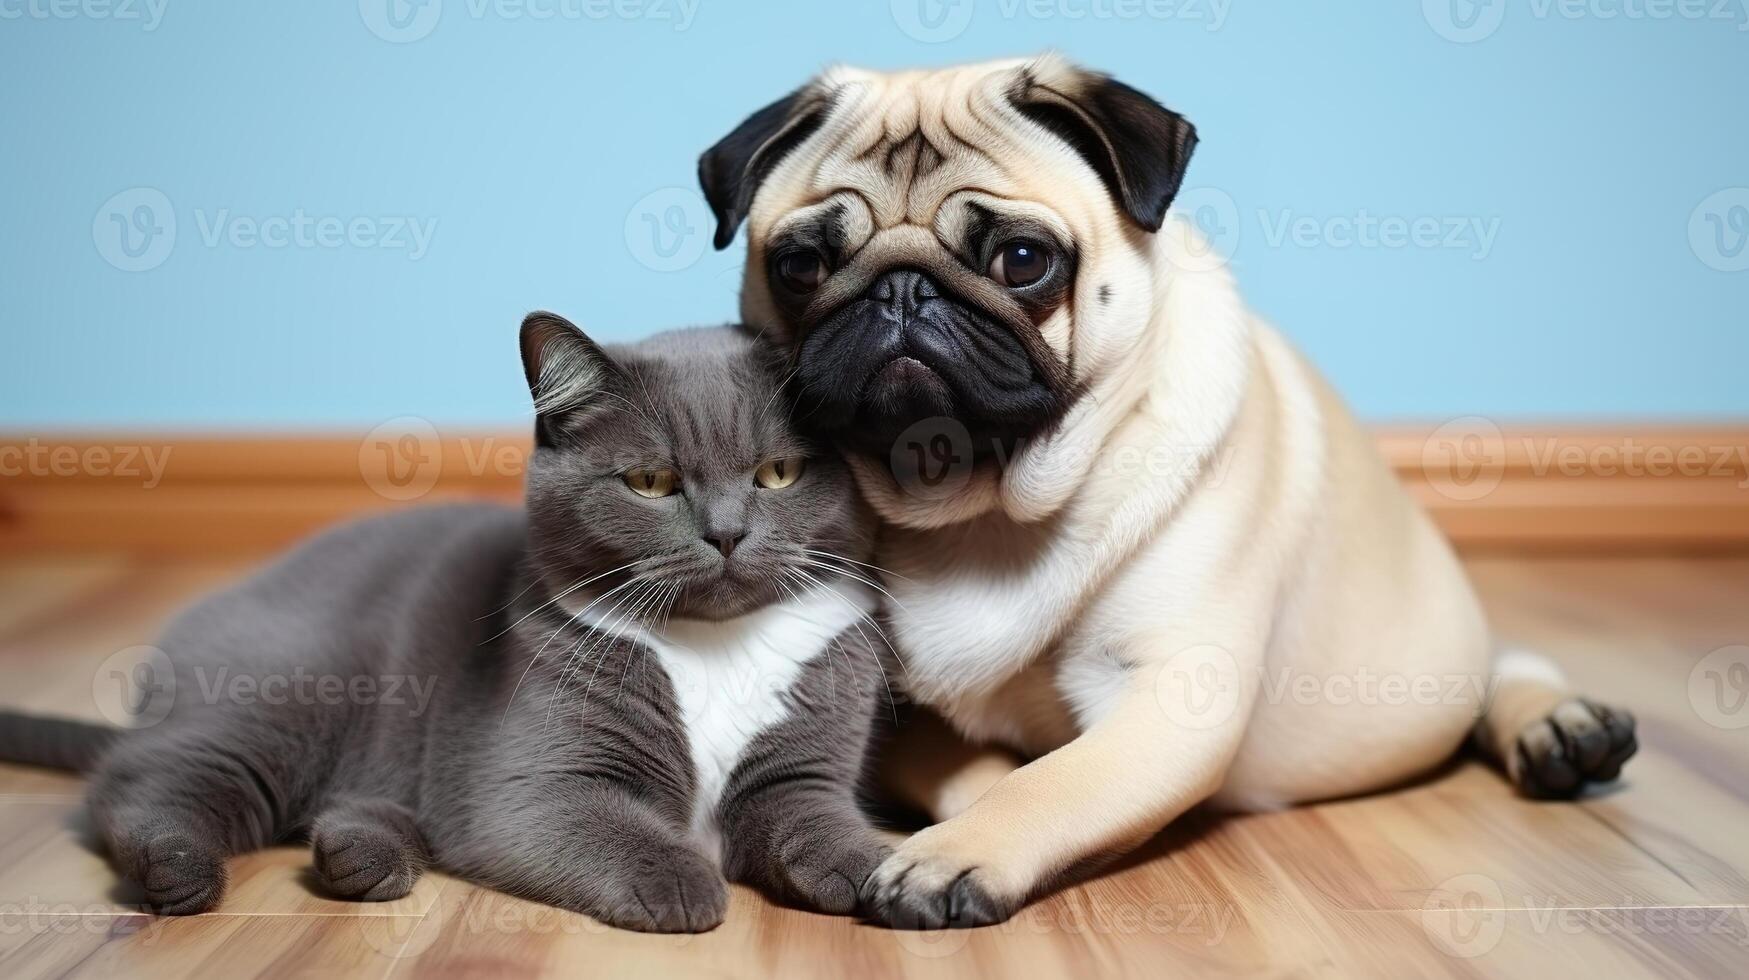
(58, 743)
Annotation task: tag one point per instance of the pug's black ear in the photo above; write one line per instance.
(1139, 148)
(567, 372)
(731, 171)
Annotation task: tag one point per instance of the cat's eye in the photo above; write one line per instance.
(651, 481)
(800, 272)
(1020, 263)
(776, 474)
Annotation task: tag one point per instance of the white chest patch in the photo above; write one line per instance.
(732, 678)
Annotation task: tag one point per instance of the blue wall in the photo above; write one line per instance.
(1580, 147)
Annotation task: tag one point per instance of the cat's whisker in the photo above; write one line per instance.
(508, 704)
(857, 625)
(643, 651)
(856, 577)
(779, 389)
(567, 591)
(576, 658)
(616, 630)
(796, 598)
(817, 553)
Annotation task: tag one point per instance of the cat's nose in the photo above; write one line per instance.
(726, 543)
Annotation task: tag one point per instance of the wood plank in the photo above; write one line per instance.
(1492, 489)
(1452, 876)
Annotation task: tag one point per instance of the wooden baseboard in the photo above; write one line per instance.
(1491, 489)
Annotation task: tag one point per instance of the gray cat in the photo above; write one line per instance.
(657, 676)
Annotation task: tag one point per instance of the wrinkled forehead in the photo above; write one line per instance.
(918, 149)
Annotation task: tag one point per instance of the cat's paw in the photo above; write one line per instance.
(181, 876)
(365, 862)
(1580, 742)
(671, 890)
(826, 873)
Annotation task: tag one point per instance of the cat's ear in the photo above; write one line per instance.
(567, 372)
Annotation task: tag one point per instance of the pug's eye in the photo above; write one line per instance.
(1020, 263)
(776, 474)
(651, 482)
(800, 272)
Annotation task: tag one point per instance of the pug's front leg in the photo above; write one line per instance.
(1164, 747)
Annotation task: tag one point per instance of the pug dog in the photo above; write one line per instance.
(1140, 555)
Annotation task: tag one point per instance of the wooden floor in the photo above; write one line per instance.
(1453, 877)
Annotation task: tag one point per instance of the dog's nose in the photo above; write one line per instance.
(903, 288)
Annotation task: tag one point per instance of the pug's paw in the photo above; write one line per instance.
(1580, 742)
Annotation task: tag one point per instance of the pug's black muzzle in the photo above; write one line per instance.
(906, 352)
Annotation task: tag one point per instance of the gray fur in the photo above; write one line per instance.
(548, 759)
